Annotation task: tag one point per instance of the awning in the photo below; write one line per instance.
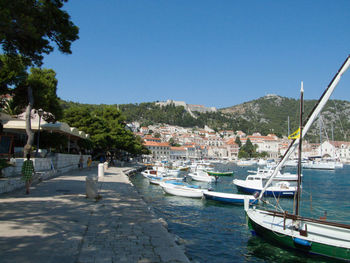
(61, 127)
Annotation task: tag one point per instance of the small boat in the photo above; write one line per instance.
(214, 173)
(246, 162)
(261, 162)
(157, 180)
(169, 172)
(182, 189)
(147, 173)
(237, 199)
(201, 177)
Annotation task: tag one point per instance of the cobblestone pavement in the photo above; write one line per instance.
(57, 223)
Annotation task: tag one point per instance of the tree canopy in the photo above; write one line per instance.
(106, 127)
(29, 28)
(44, 86)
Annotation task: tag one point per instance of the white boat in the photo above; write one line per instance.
(182, 189)
(147, 173)
(157, 180)
(319, 165)
(237, 199)
(293, 231)
(267, 172)
(255, 184)
(201, 177)
(246, 162)
(169, 172)
(261, 162)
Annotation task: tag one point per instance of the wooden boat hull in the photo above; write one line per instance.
(333, 241)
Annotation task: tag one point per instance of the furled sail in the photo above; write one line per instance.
(313, 115)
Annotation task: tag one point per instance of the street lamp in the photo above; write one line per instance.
(40, 113)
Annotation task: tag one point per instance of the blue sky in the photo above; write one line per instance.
(215, 53)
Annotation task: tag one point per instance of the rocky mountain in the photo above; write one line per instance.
(274, 111)
(268, 114)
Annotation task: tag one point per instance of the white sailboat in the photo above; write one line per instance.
(309, 235)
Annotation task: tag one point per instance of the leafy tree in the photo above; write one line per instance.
(12, 72)
(157, 135)
(106, 126)
(248, 150)
(39, 86)
(9, 107)
(29, 28)
(238, 141)
(44, 87)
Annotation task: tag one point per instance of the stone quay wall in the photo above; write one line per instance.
(45, 168)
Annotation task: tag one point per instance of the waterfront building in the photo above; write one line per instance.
(160, 150)
(217, 152)
(178, 153)
(268, 144)
(232, 149)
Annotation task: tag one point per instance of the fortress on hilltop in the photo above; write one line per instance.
(188, 107)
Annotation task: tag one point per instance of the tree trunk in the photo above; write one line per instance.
(30, 134)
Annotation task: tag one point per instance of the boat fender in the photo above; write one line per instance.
(256, 194)
(253, 233)
(302, 242)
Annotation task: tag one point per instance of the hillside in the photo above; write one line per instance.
(274, 110)
(267, 114)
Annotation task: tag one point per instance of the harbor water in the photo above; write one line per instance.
(215, 232)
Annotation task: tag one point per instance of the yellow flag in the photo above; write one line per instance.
(295, 134)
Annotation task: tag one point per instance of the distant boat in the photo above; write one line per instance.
(319, 165)
(237, 199)
(246, 162)
(261, 162)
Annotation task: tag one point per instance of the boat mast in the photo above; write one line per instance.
(313, 115)
(297, 203)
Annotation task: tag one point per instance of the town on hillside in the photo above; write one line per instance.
(179, 143)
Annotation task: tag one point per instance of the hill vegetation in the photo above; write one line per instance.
(265, 115)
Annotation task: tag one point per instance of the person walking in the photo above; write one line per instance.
(89, 162)
(27, 172)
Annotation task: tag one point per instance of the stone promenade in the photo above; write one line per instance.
(57, 223)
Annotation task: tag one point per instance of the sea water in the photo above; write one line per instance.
(215, 232)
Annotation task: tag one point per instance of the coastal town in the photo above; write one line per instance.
(222, 145)
(174, 131)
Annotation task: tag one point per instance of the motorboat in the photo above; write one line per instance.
(267, 172)
(255, 183)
